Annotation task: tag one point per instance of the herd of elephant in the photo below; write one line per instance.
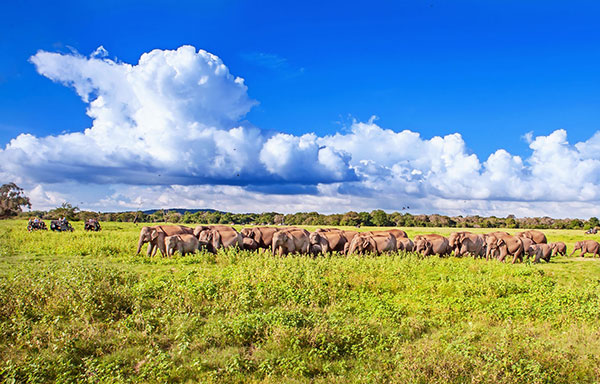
(500, 245)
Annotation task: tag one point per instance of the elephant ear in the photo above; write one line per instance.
(153, 234)
(216, 238)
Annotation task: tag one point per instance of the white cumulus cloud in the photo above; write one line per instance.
(169, 130)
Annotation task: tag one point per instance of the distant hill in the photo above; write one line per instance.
(179, 210)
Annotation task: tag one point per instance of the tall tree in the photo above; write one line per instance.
(12, 198)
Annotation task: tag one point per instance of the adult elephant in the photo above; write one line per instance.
(397, 233)
(372, 243)
(330, 241)
(430, 236)
(558, 248)
(291, 240)
(328, 230)
(432, 245)
(262, 235)
(156, 235)
(537, 237)
(492, 237)
(587, 246)
(221, 236)
(527, 243)
(467, 242)
(506, 245)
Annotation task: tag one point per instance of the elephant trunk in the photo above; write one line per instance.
(571, 254)
(140, 243)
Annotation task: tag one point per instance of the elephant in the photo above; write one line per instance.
(430, 236)
(290, 240)
(201, 228)
(541, 251)
(536, 236)
(432, 245)
(397, 233)
(315, 249)
(156, 237)
(527, 243)
(249, 244)
(467, 242)
(495, 236)
(558, 248)
(506, 245)
(221, 236)
(375, 243)
(587, 246)
(328, 241)
(405, 244)
(262, 235)
(183, 244)
(328, 230)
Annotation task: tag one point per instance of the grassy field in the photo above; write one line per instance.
(82, 307)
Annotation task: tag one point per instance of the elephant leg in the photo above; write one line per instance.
(515, 257)
(501, 257)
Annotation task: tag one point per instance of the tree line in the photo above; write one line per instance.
(12, 200)
(377, 218)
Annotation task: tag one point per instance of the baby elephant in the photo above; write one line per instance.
(559, 248)
(541, 251)
(181, 243)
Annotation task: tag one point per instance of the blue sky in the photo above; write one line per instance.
(491, 71)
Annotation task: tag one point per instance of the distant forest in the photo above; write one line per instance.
(376, 218)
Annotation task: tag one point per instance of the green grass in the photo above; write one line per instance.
(82, 307)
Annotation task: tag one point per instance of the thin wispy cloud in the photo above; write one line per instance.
(273, 62)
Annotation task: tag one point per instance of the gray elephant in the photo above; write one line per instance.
(506, 245)
(587, 246)
(405, 244)
(536, 236)
(493, 237)
(249, 244)
(328, 241)
(527, 243)
(429, 245)
(156, 235)
(372, 243)
(183, 244)
(541, 251)
(558, 248)
(262, 235)
(291, 240)
(218, 237)
(467, 242)
(432, 244)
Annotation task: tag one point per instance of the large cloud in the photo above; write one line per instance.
(173, 118)
(172, 125)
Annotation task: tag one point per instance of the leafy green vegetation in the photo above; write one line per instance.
(82, 307)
